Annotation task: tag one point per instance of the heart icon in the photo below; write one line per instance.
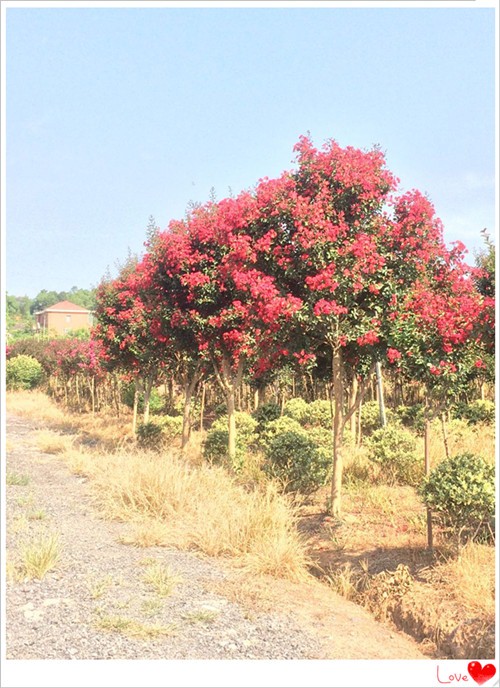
(479, 673)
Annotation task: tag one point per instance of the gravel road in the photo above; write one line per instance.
(96, 603)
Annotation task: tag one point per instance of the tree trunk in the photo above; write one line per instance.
(380, 394)
(430, 544)
(352, 400)
(202, 405)
(337, 428)
(231, 423)
(445, 435)
(229, 380)
(136, 406)
(147, 397)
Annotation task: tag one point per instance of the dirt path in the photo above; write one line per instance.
(96, 603)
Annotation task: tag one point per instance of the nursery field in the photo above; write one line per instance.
(244, 511)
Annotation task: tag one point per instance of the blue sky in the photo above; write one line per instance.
(114, 115)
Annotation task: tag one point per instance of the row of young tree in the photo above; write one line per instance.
(326, 269)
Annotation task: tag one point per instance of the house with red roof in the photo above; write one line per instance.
(63, 318)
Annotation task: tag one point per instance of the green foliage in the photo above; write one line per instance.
(150, 436)
(314, 414)
(461, 491)
(294, 459)
(393, 448)
(266, 413)
(216, 443)
(296, 409)
(478, 411)
(319, 413)
(156, 402)
(23, 372)
(171, 426)
(370, 417)
(412, 416)
(278, 427)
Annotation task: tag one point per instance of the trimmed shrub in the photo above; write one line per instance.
(478, 411)
(278, 427)
(319, 414)
(394, 449)
(150, 436)
(265, 414)
(412, 416)
(23, 372)
(296, 462)
(461, 491)
(156, 402)
(216, 443)
(296, 409)
(171, 426)
(370, 417)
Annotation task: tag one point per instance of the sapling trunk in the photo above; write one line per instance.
(231, 423)
(337, 429)
(136, 406)
(147, 398)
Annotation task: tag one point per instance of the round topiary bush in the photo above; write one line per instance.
(296, 461)
(215, 447)
(370, 417)
(394, 449)
(461, 491)
(265, 414)
(319, 414)
(296, 409)
(23, 372)
(151, 436)
(412, 416)
(278, 427)
(478, 411)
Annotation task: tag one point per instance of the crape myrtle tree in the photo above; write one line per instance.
(170, 323)
(363, 261)
(204, 271)
(124, 326)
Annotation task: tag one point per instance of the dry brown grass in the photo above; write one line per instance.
(147, 533)
(52, 442)
(469, 580)
(462, 437)
(201, 507)
(36, 405)
(102, 430)
(171, 499)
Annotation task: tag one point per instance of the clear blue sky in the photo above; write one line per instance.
(114, 115)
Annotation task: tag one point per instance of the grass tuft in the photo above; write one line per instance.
(16, 479)
(133, 628)
(40, 554)
(161, 579)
